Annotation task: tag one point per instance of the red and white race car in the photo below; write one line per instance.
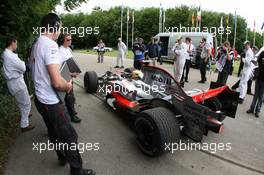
(162, 110)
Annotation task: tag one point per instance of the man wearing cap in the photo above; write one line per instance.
(180, 50)
(122, 48)
(246, 72)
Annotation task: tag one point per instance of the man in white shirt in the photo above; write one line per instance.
(45, 62)
(246, 72)
(66, 53)
(190, 51)
(122, 48)
(14, 68)
(180, 50)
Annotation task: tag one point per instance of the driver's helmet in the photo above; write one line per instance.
(137, 74)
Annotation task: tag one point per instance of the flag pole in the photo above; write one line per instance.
(254, 39)
(133, 21)
(227, 22)
(121, 27)
(235, 30)
(164, 19)
(246, 34)
(127, 27)
(160, 19)
(221, 25)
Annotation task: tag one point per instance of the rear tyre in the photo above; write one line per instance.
(155, 128)
(90, 81)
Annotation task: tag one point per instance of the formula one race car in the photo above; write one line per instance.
(161, 109)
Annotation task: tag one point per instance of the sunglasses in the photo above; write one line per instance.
(68, 40)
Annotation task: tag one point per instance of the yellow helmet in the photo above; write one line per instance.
(137, 74)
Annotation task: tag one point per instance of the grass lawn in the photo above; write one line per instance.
(113, 53)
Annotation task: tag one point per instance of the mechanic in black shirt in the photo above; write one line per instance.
(259, 87)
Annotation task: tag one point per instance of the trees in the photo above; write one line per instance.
(146, 24)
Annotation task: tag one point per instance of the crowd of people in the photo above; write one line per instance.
(251, 66)
(184, 52)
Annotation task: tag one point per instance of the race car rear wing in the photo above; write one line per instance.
(228, 98)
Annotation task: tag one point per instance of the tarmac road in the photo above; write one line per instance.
(118, 153)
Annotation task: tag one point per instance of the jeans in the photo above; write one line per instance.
(258, 96)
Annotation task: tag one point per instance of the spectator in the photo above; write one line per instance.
(122, 48)
(101, 51)
(224, 63)
(180, 50)
(153, 50)
(259, 88)
(198, 56)
(189, 57)
(246, 72)
(205, 56)
(139, 51)
(160, 48)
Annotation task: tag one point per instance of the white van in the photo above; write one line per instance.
(169, 39)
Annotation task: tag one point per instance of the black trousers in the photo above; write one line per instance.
(186, 70)
(69, 102)
(241, 65)
(203, 70)
(60, 131)
(137, 64)
(222, 77)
